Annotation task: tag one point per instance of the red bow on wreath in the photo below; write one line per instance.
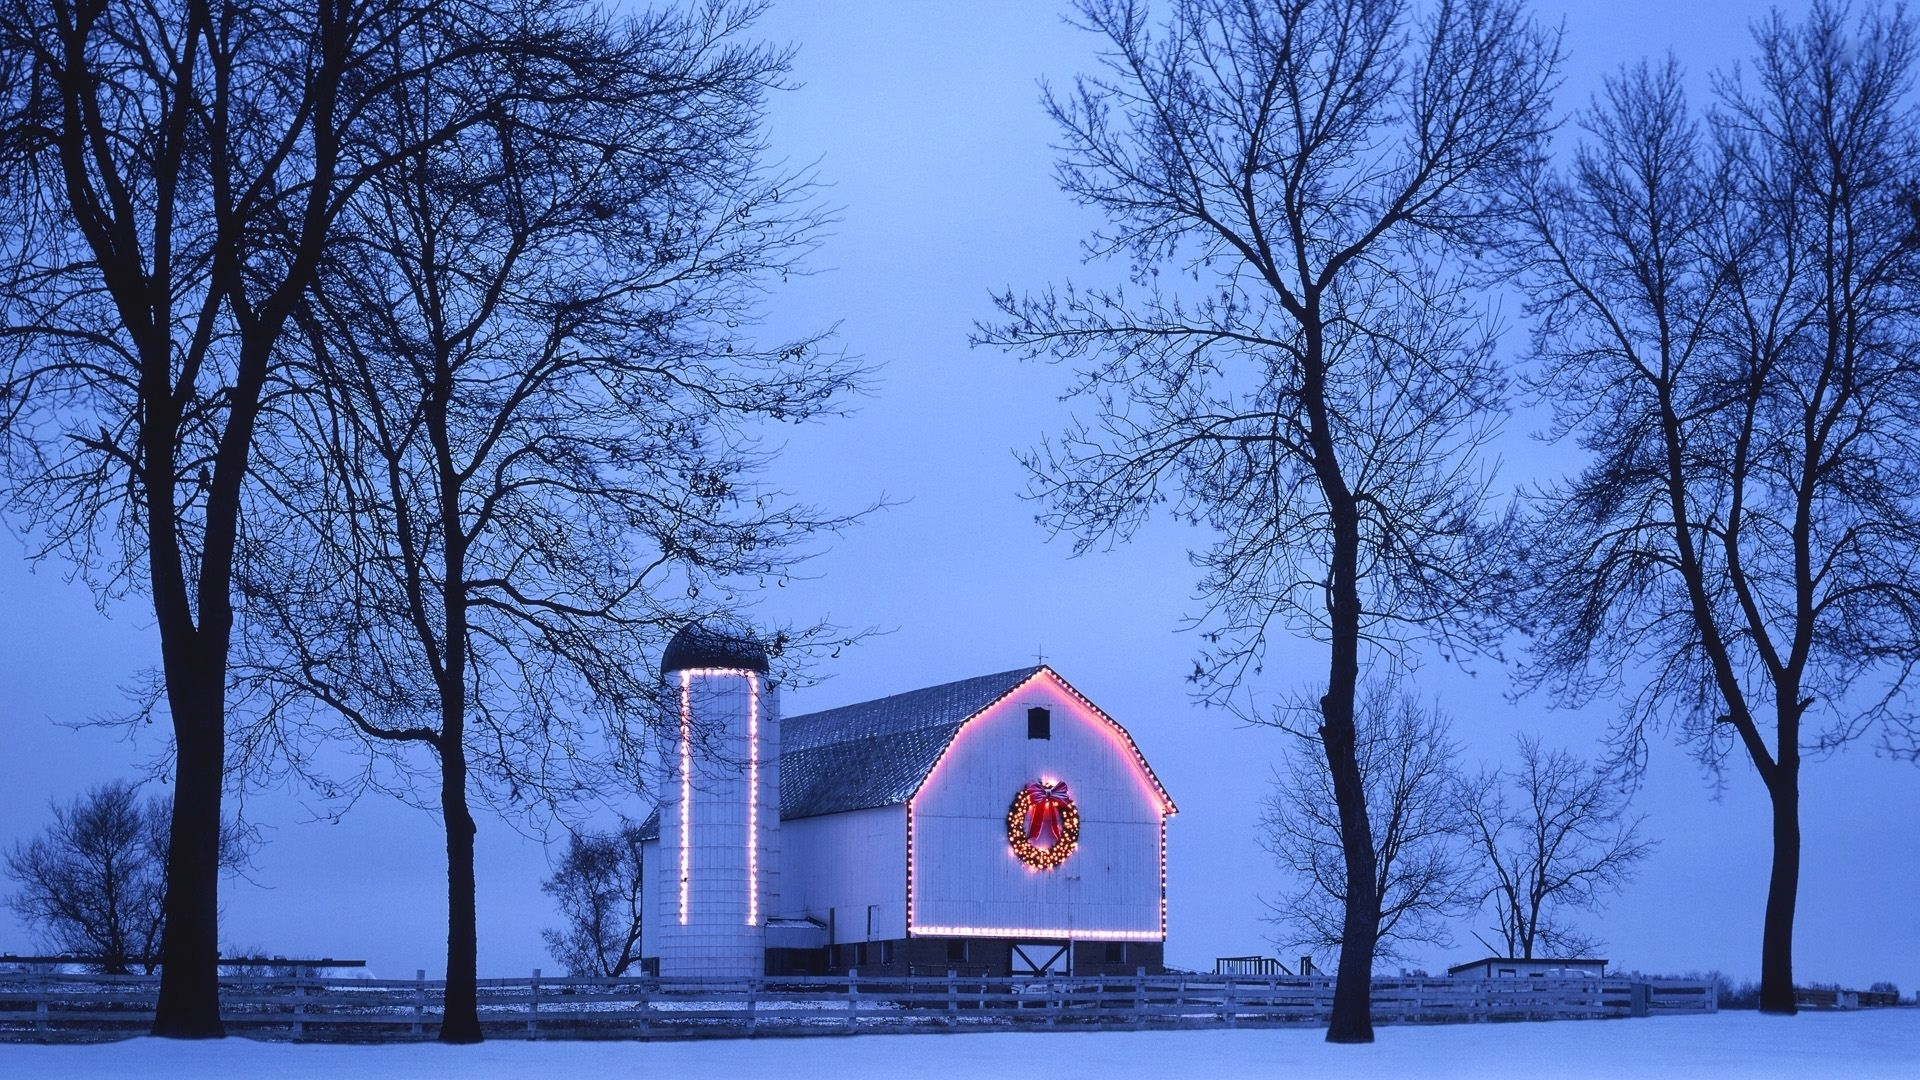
(1044, 802)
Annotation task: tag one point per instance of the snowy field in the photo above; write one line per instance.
(1867, 1044)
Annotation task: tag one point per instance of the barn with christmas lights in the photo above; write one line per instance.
(1002, 824)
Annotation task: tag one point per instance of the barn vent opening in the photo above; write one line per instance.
(1039, 724)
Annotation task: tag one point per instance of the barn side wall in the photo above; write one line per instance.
(848, 871)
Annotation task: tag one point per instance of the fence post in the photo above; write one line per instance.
(1229, 1012)
(40, 1025)
(419, 1000)
(646, 1004)
(533, 1006)
(753, 993)
(299, 1008)
(1139, 996)
(953, 999)
(853, 996)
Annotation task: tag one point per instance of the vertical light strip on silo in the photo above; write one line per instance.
(753, 799)
(686, 788)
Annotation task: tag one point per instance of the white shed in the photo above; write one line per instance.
(1542, 967)
(999, 824)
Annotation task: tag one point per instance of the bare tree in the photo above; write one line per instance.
(1551, 836)
(1424, 873)
(532, 456)
(597, 886)
(94, 883)
(1309, 378)
(170, 175)
(1726, 321)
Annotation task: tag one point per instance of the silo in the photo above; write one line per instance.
(715, 879)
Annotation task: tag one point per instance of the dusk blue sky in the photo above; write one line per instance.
(925, 124)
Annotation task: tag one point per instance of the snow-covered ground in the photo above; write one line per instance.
(1868, 1044)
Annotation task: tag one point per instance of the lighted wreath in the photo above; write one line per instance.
(1043, 825)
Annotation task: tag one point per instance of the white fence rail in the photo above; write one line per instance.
(73, 1007)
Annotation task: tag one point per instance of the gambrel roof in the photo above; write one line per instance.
(877, 753)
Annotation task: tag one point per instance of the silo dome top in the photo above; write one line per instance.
(701, 646)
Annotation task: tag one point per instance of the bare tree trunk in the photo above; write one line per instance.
(194, 661)
(1352, 1019)
(189, 1002)
(461, 1020)
(1783, 887)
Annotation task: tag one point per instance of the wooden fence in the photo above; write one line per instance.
(79, 1007)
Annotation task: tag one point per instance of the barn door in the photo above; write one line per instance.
(1032, 958)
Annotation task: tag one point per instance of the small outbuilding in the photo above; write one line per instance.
(1537, 967)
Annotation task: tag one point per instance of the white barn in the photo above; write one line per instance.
(1002, 824)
